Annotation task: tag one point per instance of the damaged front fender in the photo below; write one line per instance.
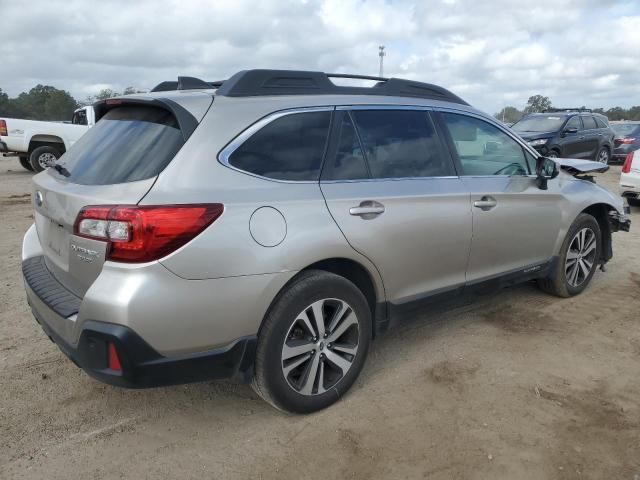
(619, 221)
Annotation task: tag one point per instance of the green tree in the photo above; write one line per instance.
(44, 102)
(509, 114)
(104, 94)
(616, 113)
(537, 103)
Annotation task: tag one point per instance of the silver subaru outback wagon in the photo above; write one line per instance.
(267, 227)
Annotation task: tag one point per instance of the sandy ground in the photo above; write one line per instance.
(519, 385)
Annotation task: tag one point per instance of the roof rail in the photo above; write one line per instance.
(555, 110)
(252, 83)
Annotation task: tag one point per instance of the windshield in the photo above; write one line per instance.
(539, 123)
(624, 129)
(129, 143)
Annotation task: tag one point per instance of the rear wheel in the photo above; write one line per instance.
(313, 343)
(603, 156)
(43, 157)
(578, 260)
(26, 164)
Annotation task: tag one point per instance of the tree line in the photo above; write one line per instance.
(44, 102)
(540, 103)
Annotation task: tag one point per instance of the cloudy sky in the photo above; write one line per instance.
(490, 52)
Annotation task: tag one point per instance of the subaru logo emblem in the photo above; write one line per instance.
(39, 198)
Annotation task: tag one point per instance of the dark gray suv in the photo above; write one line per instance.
(568, 133)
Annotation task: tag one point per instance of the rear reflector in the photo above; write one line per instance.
(3, 128)
(626, 167)
(114, 360)
(624, 141)
(138, 234)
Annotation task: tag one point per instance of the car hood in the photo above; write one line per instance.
(575, 166)
(528, 136)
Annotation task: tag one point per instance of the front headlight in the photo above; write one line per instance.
(537, 143)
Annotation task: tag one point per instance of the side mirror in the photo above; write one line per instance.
(545, 169)
(570, 130)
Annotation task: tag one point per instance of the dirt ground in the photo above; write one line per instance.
(518, 386)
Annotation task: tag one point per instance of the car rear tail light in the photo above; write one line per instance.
(626, 166)
(624, 141)
(3, 128)
(138, 234)
(113, 358)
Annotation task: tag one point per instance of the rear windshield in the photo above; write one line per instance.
(128, 144)
(624, 129)
(541, 123)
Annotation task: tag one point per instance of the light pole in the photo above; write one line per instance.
(381, 54)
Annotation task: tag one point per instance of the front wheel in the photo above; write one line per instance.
(43, 157)
(313, 343)
(578, 259)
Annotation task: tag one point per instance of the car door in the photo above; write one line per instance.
(515, 224)
(572, 143)
(391, 186)
(591, 137)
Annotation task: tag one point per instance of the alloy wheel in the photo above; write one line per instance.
(603, 156)
(581, 257)
(320, 346)
(46, 160)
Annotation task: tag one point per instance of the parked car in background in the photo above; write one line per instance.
(627, 139)
(271, 225)
(568, 133)
(630, 178)
(39, 144)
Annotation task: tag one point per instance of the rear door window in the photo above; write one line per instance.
(589, 122)
(401, 144)
(128, 144)
(601, 123)
(289, 148)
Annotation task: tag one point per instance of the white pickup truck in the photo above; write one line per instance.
(39, 144)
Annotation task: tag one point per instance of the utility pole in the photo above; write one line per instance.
(381, 54)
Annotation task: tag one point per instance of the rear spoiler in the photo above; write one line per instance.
(186, 121)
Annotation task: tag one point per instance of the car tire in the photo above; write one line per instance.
(553, 154)
(634, 202)
(297, 368)
(43, 157)
(572, 273)
(26, 164)
(603, 156)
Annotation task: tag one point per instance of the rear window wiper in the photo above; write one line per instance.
(61, 170)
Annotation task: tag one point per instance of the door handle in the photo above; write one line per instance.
(367, 210)
(581, 138)
(485, 203)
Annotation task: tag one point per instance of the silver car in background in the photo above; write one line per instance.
(267, 227)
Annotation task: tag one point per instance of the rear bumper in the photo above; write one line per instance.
(142, 366)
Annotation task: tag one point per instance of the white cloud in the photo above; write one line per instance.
(578, 52)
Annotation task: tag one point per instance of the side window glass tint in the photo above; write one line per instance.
(574, 122)
(401, 144)
(589, 122)
(484, 149)
(600, 122)
(289, 148)
(349, 162)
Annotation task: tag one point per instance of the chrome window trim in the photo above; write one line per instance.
(233, 145)
(391, 179)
